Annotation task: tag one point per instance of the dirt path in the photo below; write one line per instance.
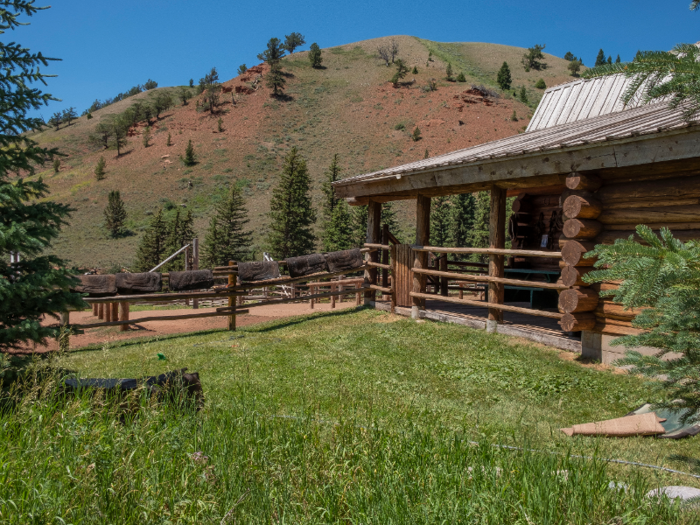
(259, 314)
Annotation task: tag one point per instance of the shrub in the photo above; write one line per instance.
(448, 72)
(523, 95)
(400, 126)
(540, 84)
(461, 77)
(100, 169)
(514, 117)
(56, 165)
(146, 137)
(190, 158)
(150, 84)
(220, 125)
(242, 69)
(415, 70)
(504, 78)
(169, 141)
(416, 136)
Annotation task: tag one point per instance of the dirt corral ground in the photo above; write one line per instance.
(101, 335)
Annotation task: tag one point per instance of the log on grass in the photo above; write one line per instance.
(573, 251)
(577, 322)
(580, 207)
(582, 228)
(583, 182)
(578, 300)
(573, 275)
(660, 214)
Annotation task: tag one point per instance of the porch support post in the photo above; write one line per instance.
(374, 232)
(497, 239)
(420, 259)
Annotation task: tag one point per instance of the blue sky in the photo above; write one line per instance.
(107, 47)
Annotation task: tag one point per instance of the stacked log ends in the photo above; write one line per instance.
(522, 204)
(573, 275)
(573, 251)
(578, 300)
(582, 207)
(582, 229)
(577, 322)
(581, 182)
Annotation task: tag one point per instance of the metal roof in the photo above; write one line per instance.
(643, 120)
(581, 100)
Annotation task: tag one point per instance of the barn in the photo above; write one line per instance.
(587, 170)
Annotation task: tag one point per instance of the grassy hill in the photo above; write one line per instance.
(348, 107)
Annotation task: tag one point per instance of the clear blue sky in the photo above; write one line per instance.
(107, 47)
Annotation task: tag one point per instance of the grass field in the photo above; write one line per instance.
(352, 417)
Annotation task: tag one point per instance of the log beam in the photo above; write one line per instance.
(577, 322)
(583, 182)
(573, 251)
(582, 228)
(497, 240)
(578, 300)
(582, 207)
(420, 259)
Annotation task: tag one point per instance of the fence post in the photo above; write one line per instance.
(385, 258)
(497, 239)
(358, 295)
(332, 296)
(312, 291)
(115, 311)
(393, 278)
(64, 336)
(374, 217)
(124, 316)
(231, 300)
(107, 312)
(101, 311)
(95, 309)
(444, 282)
(195, 266)
(420, 259)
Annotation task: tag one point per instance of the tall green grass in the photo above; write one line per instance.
(87, 460)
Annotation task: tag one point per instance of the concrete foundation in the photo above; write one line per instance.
(598, 346)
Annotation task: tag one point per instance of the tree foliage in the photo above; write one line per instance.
(659, 74)
(190, 158)
(115, 215)
(209, 85)
(440, 218)
(315, 55)
(534, 59)
(292, 41)
(600, 59)
(39, 284)
(401, 72)
(569, 56)
(274, 52)
(227, 238)
(180, 233)
(275, 80)
(336, 219)
(151, 250)
(292, 214)
(661, 277)
(100, 169)
(462, 220)
(574, 67)
(504, 78)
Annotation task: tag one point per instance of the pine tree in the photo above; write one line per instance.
(151, 250)
(40, 284)
(292, 214)
(227, 238)
(574, 67)
(190, 158)
(448, 71)
(390, 219)
(523, 95)
(120, 127)
(100, 169)
(275, 80)
(56, 165)
(569, 56)
(540, 84)
(416, 135)
(462, 221)
(115, 214)
(146, 138)
(274, 52)
(360, 215)
(662, 279)
(534, 57)
(336, 224)
(504, 79)
(440, 215)
(609, 61)
(600, 59)
(291, 42)
(180, 233)
(415, 70)
(479, 235)
(401, 72)
(315, 55)
(617, 60)
(169, 141)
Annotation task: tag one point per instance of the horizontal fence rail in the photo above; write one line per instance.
(496, 306)
(488, 251)
(487, 279)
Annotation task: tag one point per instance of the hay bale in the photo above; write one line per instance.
(344, 260)
(258, 271)
(192, 280)
(136, 283)
(306, 265)
(97, 285)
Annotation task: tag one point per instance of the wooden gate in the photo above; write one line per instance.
(402, 280)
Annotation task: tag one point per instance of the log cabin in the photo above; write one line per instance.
(587, 171)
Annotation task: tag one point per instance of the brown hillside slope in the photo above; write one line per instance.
(348, 107)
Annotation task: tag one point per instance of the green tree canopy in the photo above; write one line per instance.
(315, 55)
(462, 221)
(151, 250)
(227, 238)
(600, 59)
(569, 56)
(115, 214)
(292, 214)
(440, 218)
(504, 78)
(38, 284)
(292, 41)
(534, 58)
(274, 52)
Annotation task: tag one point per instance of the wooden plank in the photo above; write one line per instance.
(384, 289)
(497, 241)
(159, 318)
(290, 280)
(232, 281)
(379, 265)
(402, 280)
(420, 258)
(660, 215)
(124, 315)
(488, 278)
(486, 251)
(497, 306)
(393, 277)
(376, 246)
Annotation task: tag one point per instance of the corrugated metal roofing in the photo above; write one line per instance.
(644, 120)
(581, 100)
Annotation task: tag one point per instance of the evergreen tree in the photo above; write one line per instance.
(56, 165)
(339, 234)
(209, 85)
(275, 80)
(146, 137)
(609, 60)
(440, 215)
(274, 52)
(416, 135)
(360, 215)
(534, 59)
(115, 214)
(401, 72)
(448, 71)
(151, 250)
(523, 95)
(462, 220)
(180, 233)
(163, 101)
(415, 70)
(574, 67)
(479, 235)
(242, 69)
(292, 214)
(504, 79)
(540, 84)
(56, 120)
(569, 56)
(617, 60)
(100, 169)
(184, 95)
(190, 158)
(315, 55)
(600, 59)
(291, 42)
(169, 141)
(120, 128)
(69, 115)
(227, 238)
(390, 219)
(330, 201)
(662, 279)
(40, 284)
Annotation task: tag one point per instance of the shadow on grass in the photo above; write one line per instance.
(268, 326)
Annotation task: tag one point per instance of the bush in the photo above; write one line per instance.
(242, 69)
(400, 126)
(540, 84)
(416, 135)
(56, 165)
(523, 95)
(190, 158)
(100, 169)
(514, 117)
(415, 70)
(146, 138)
(169, 141)
(448, 72)
(461, 78)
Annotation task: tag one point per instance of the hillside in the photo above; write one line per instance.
(348, 107)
